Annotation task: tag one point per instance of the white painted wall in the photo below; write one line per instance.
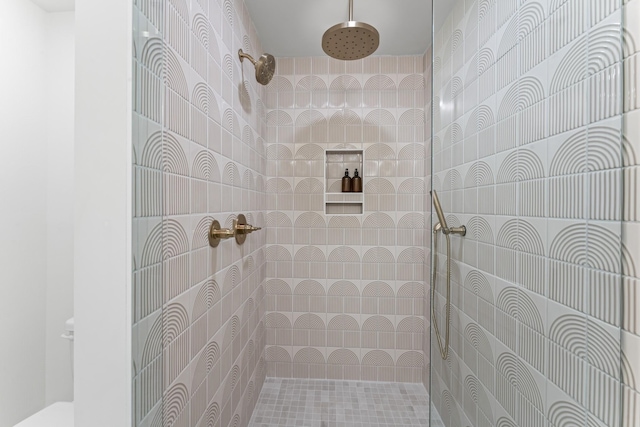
(36, 214)
(22, 210)
(103, 213)
(60, 76)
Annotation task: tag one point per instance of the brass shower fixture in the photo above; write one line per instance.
(239, 230)
(350, 40)
(265, 66)
(242, 229)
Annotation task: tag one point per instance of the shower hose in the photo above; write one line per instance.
(444, 350)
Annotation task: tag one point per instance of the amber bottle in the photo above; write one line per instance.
(346, 182)
(356, 183)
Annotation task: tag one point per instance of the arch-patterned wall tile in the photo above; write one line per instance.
(343, 297)
(176, 256)
(148, 365)
(482, 301)
(378, 298)
(409, 366)
(345, 91)
(345, 126)
(482, 413)
(406, 230)
(380, 91)
(279, 295)
(311, 91)
(479, 355)
(380, 151)
(310, 228)
(409, 333)
(175, 174)
(309, 362)
(378, 365)
(519, 240)
(343, 364)
(310, 126)
(199, 109)
(377, 228)
(380, 125)
(310, 295)
(517, 387)
(343, 262)
(278, 361)
(309, 262)
(410, 298)
(378, 263)
(148, 293)
(149, 180)
(378, 333)
(150, 80)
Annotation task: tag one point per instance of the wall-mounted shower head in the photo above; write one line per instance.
(265, 66)
(350, 40)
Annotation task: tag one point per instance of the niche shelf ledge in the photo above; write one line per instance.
(336, 161)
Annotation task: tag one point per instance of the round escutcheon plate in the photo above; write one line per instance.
(241, 236)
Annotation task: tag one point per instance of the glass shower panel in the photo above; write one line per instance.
(199, 149)
(149, 226)
(528, 153)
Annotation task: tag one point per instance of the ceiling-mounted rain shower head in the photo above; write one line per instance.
(265, 66)
(350, 40)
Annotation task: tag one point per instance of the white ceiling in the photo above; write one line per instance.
(56, 5)
(295, 27)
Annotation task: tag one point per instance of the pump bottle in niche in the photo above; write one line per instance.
(346, 182)
(356, 183)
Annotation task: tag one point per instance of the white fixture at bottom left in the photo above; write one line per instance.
(59, 414)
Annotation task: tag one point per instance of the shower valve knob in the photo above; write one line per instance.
(217, 233)
(241, 229)
(246, 228)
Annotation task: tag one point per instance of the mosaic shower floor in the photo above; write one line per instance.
(326, 403)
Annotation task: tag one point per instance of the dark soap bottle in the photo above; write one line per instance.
(346, 182)
(356, 183)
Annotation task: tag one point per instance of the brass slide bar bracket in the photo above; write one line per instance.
(462, 230)
(239, 231)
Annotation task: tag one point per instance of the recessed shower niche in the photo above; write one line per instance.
(336, 201)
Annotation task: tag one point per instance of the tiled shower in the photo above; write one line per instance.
(526, 152)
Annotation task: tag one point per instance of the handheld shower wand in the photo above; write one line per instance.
(462, 230)
(442, 226)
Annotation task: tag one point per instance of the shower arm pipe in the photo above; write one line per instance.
(350, 10)
(243, 55)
